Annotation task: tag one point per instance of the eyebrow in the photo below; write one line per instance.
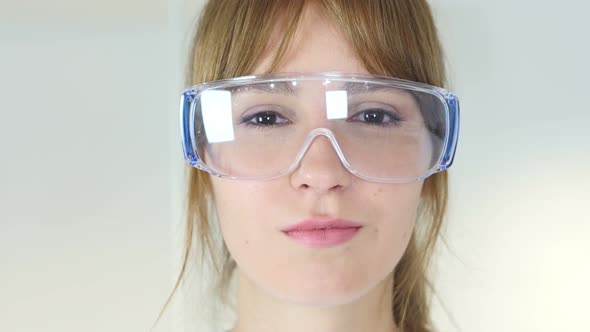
(287, 88)
(355, 88)
(284, 88)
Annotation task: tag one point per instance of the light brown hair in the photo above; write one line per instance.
(390, 37)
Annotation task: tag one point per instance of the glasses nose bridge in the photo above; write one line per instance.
(315, 133)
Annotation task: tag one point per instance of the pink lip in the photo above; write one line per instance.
(322, 233)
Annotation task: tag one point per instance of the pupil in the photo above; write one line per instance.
(266, 118)
(374, 117)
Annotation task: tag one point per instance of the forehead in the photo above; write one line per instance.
(317, 46)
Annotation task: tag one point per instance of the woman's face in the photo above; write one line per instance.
(252, 214)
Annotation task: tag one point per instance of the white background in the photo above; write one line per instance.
(91, 173)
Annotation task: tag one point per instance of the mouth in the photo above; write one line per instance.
(319, 233)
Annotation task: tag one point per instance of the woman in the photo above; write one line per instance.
(325, 166)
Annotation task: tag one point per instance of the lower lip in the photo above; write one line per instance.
(325, 237)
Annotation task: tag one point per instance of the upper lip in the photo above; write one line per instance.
(310, 224)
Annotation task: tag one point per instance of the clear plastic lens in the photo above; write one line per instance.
(259, 129)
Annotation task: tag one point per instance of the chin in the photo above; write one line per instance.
(316, 296)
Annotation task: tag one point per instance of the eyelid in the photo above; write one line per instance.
(376, 105)
(280, 110)
(394, 116)
(395, 119)
(247, 120)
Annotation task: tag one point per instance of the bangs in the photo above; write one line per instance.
(391, 38)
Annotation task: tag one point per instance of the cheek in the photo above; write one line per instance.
(242, 214)
(393, 214)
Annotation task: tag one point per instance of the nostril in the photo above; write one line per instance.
(336, 187)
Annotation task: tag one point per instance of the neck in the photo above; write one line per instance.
(258, 311)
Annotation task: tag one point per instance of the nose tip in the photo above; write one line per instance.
(321, 169)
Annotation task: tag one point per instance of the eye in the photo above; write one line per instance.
(265, 119)
(377, 117)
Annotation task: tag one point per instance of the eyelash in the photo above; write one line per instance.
(247, 121)
(395, 119)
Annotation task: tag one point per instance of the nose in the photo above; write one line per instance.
(320, 169)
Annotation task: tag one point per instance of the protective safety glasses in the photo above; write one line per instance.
(383, 129)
